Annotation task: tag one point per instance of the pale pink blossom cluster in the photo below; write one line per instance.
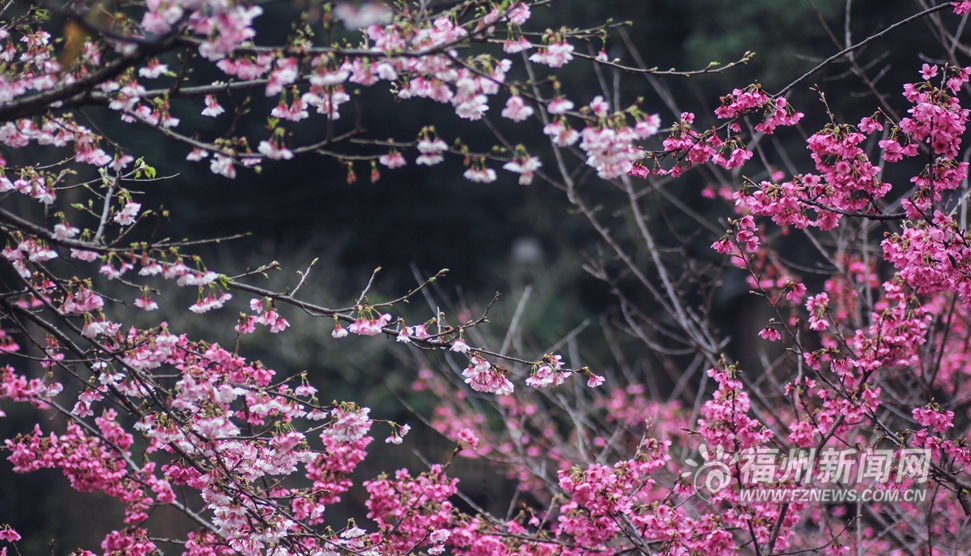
(349, 423)
(127, 215)
(550, 373)
(211, 302)
(472, 91)
(431, 151)
(266, 316)
(419, 332)
(436, 73)
(482, 376)
(610, 146)
(29, 250)
(561, 133)
(365, 326)
(525, 166)
(554, 54)
(480, 173)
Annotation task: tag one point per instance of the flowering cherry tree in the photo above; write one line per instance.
(875, 343)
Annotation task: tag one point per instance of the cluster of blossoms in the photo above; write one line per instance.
(266, 317)
(370, 326)
(431, 151)
(483, 376)
(692, 148)
(556, 52)
(525, 166)
(882, 347)
(848, 181)
(932, 257)
(870, 331)
(610, 144)
(413, 512)
(416, 55)
(197, 439)
(742, 239)
(551, 373)
(215, 394)
(777, 112)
